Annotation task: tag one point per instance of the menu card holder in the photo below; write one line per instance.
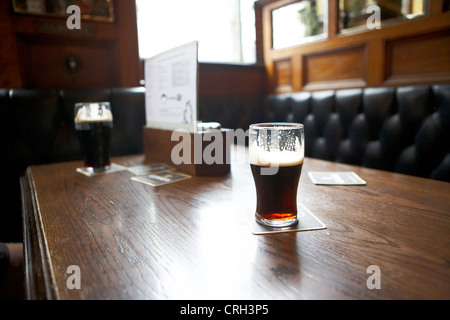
(204, 155)
(172, 134)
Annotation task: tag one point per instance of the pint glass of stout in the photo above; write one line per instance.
(276, 160)
(93, 123)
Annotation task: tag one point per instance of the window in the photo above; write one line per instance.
(354, 13)
(224, 29)
(299, 22)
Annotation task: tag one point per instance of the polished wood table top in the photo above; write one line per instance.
(389, 239)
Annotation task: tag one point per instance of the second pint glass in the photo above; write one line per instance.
(276, 160)
(93, 123)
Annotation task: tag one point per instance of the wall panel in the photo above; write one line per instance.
(39, 51)
(418, 58)
(283, 75)
(338, 67)
(74, 63)
(415, 51)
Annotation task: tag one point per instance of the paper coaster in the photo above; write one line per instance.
(149, 168)
(348, 178)
(113, 168)
(161, 178)
(307, 221)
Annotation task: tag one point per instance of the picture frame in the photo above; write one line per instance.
(93, 10)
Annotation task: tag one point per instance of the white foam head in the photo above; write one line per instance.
(284, 158)
(93, 112)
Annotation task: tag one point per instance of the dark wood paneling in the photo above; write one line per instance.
(283, 75)
(226, 79)
(34, 49)
(216, 79)
(419, 58)
(9, 61)
(76, 64)
(341, 66)
(403, 52)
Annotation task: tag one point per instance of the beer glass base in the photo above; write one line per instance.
(275, 223)
(97, 170)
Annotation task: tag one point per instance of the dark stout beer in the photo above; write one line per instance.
(94, 125)
(95, 140)
(277, 194)
(276, 160)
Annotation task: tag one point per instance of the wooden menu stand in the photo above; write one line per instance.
(200, 148)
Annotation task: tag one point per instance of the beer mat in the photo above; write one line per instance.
(348, 178)
(142, 170)
(113, 168)
(161, 178)
(307, 221)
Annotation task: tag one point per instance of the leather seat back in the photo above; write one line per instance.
(41, 127)
(405, 129)
(37, 127)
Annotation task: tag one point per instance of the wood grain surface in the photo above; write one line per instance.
(191, 240)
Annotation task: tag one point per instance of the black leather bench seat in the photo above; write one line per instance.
(404, 129)
(37, 127)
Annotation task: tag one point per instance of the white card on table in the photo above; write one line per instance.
(336, 178)
(141, 170)
(161, 178)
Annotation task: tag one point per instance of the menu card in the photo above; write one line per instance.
(171, 81)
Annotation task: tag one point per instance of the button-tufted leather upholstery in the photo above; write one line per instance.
(405, 129)
(37, 127)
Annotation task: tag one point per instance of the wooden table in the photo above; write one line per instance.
(191, 240)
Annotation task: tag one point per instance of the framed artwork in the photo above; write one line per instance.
(95, 10)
